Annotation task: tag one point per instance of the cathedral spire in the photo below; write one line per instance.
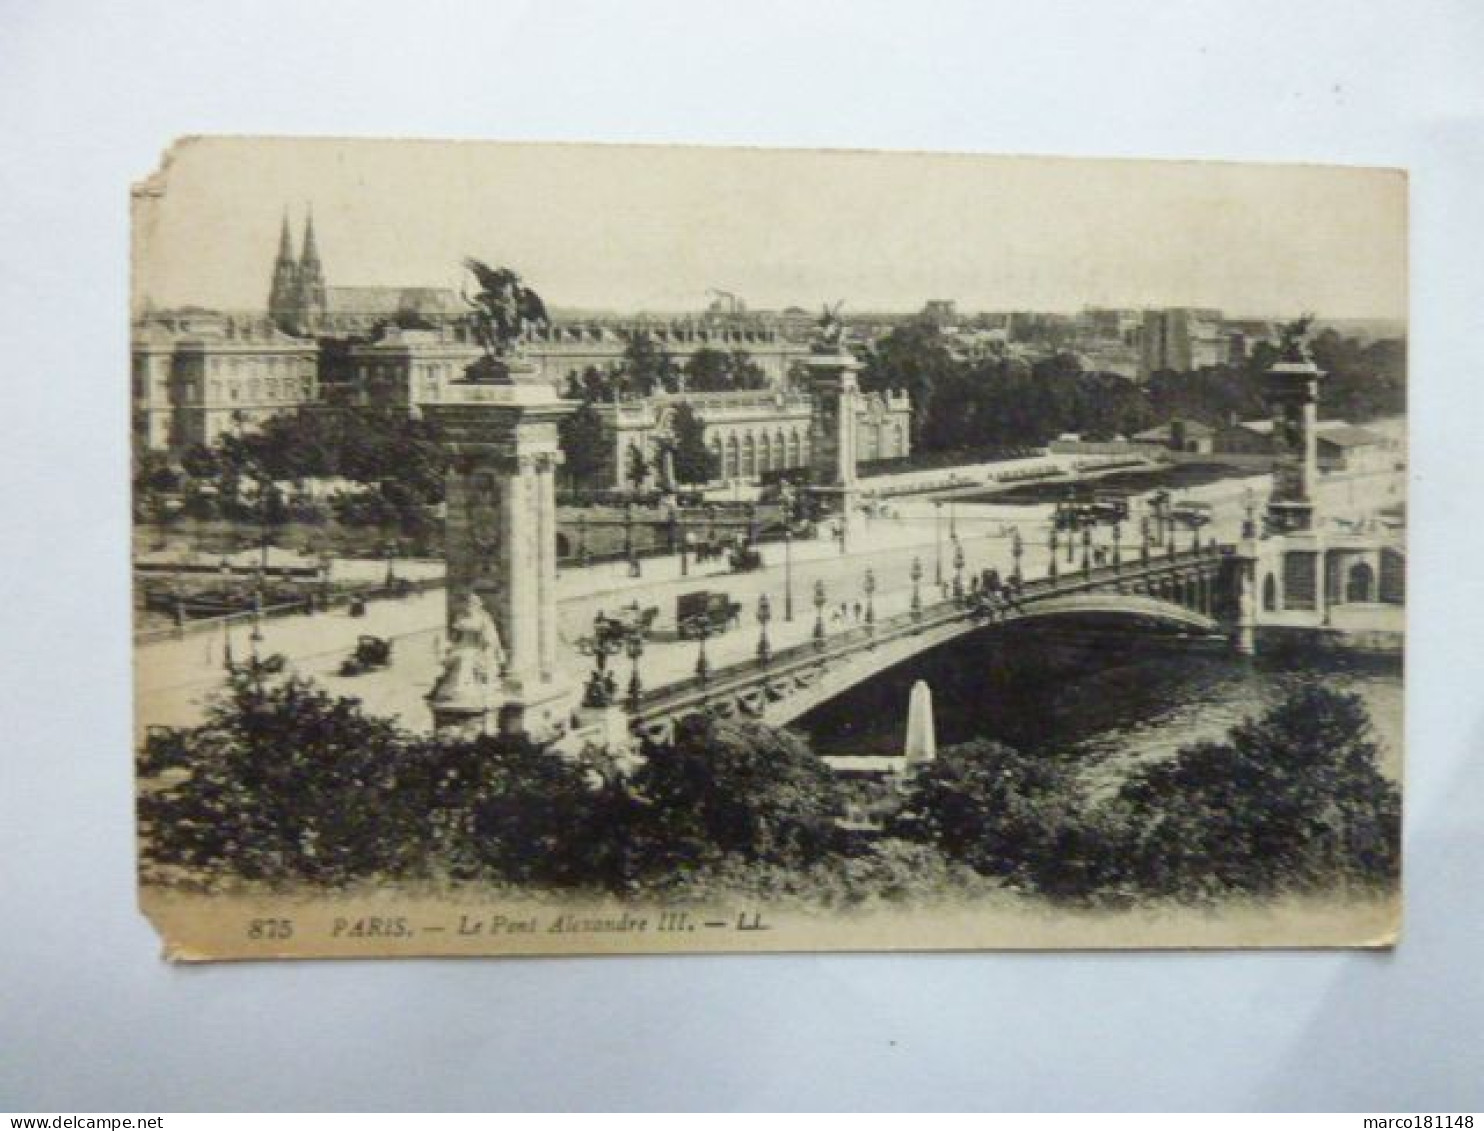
(311, 252)
(283, 295)
(311, 302)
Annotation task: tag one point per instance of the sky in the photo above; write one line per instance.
(655, 227)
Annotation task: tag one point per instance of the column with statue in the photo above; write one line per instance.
(499, 428)
(831, 371)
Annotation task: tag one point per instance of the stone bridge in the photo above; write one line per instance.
(1192, 594)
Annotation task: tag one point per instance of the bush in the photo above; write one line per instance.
(1292, 801)
(1000, 812)
(745, 789)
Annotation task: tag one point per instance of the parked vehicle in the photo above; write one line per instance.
(705, 612)
(1191, 514)
(370, 652)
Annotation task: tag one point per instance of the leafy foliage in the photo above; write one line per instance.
(1292, 800)
(744, 789)
(694, 462)
(584, 442)
(284, 783)
(1004, 402)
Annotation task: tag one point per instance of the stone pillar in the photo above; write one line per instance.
(837, 402)
(1291, 389)
(500, 429)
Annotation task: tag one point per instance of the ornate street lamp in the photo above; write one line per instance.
(1087, 549)
(1051, 565)
(628, 541)
(764, 615)
(870, 587)
(819, 601)
(958, 571)
(788, 575)
(257, 622)
(1017, 551)
(916, 575)
(601, 645)
(1117, 544)
(938, 541)
(634, 644)
(703, 667)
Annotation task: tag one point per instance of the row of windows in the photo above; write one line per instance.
(753, 455)
(288, 390)
(287, 365)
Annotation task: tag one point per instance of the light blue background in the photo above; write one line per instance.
(90, 1018)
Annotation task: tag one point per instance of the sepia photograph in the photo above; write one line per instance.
(571, 549)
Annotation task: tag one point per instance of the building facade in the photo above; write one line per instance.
(750, 434)
(1181, 340)
(198, 376)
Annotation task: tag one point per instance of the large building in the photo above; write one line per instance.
(751, 434)
(1182, 340)
(199, 375)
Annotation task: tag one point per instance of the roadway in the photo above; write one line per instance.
(175, 678)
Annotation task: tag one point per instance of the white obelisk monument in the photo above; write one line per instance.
(922, 737)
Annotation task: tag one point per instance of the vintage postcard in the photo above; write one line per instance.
(563, 549)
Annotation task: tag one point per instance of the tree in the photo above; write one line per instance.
(647, 368)
(636, 467)
(716, 371)
(584, 444)
(1001, 812)
(694, 461)
(281, 783)
(913, 357)
(1292, 800)
(745, 789)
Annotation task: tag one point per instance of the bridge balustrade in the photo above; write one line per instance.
(846, 642)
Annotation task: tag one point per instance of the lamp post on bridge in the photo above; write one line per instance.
(916, 575)
(870, 587)
(634, 645)
(1051, 563)
(788, 572)
(1086, 549)
(1117, 545)
(764, 615)
(603, 644)
(703, 666)
(938, 541)
(819, 602)
(958, 571)
(1017, 550)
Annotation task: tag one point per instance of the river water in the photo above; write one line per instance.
(1107, 701)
